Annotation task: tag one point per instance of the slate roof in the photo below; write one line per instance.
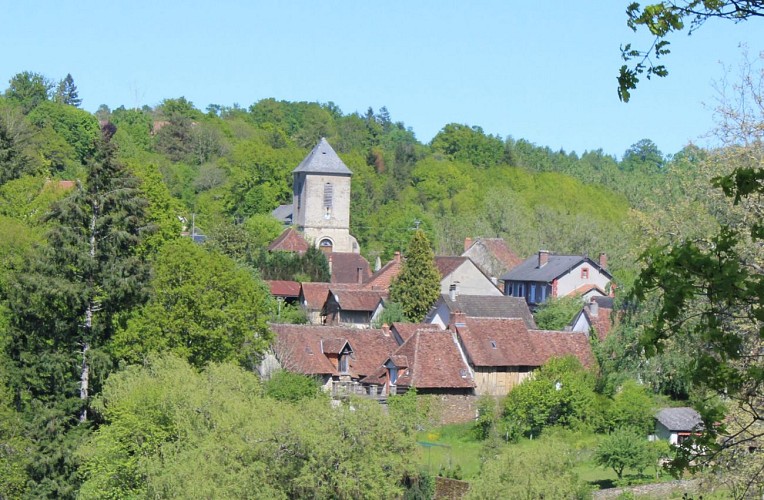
(284, 213)
(489, 306)
(683, 419)
(323, 160)
(432, 361)
(281, 288)
(508, 342)
(289, 241)
(556, 266)
(299, 348)
(345, 265)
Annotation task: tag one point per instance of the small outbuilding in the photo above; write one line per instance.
(677, 424)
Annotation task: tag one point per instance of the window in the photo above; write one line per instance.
(584, 273)
(393, 374)
(343, 364)
(520, 290)
(533, 293)
(326, 245)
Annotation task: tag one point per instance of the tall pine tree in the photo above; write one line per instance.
(66, 92)
(63, 309)
(417, 287)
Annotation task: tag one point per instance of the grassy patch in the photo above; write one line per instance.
(448, 447)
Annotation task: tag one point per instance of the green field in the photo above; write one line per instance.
(454, 448)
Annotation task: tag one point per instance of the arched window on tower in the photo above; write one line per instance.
(326, 245)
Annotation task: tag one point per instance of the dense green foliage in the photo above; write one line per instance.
(534, 473)
(560, 393)
(172, 431)
(556, 313)
(204, 308)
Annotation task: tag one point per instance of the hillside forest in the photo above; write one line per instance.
(128, 352)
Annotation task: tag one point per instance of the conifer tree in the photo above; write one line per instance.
(417, 287)
(66, 92)
(63, 308)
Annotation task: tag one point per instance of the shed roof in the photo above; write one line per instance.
(682, 419)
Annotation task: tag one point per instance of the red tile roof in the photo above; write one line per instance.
(289, 241)
(431, 360)
(499, 249)
(447, 265)
(281, 288)
(600, 323)
(508, 342)
(381, 279)
(357, 300)
(406, 330)
(314, 295)
(304, 349)
(346, 266)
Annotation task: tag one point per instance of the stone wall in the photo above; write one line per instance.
(453, 409)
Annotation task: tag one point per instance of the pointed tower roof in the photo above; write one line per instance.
(323, 160)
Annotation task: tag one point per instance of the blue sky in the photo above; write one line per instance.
(542, 71)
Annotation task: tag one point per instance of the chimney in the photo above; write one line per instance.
(359, 275)
(377, 264)
(452, 293)
(467, 243)
(386, 329)
(603, 260)
(543, 257)
(594, 308)
(397, 257)
(457, 318)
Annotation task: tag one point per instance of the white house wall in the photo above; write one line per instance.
(470, 281)
(572, 281)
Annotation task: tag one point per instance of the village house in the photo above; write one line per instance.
(479, 306)
(546, 275)
(351, 307)
(595, 317)
(503, 352)
(462, 274)
(429, 360)
(332, 354)
(492, 256)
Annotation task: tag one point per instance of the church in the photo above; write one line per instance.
(320, 209)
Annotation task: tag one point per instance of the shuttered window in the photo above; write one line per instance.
(328, 193)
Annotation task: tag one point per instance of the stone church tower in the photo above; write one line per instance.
(321, 200)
